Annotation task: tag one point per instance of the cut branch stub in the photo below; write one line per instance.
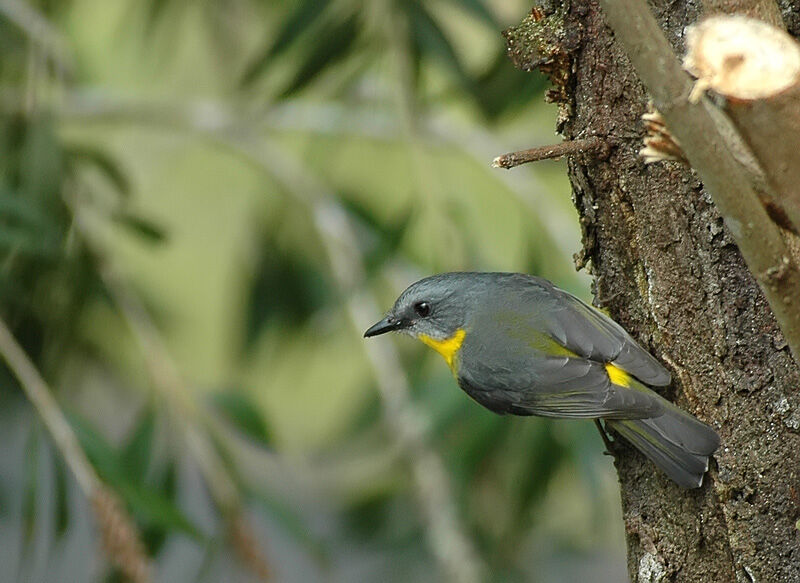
(756, 68)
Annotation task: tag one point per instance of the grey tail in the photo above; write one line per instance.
(678, 443)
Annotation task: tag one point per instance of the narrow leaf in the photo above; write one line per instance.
(332, 46)
(135, 458)
(144, 228)
(31, 491)
(304, 16)
(61, 499)
(156, 510)
(103, 162)
(239, 410)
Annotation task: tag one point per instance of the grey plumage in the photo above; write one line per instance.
(532, 349)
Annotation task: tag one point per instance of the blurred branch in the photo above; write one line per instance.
(171, 386)
(40, 31)
(39, 394)
(118, 532)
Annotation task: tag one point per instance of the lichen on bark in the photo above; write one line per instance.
(668, 270)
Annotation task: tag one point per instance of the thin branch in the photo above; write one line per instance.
(566, 148)
(713, 156)
(119, 534)
(39, 394)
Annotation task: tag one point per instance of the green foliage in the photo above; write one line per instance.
(150, 503)
(284, 290)
(413, 200)
(238, 409)
(318, 37)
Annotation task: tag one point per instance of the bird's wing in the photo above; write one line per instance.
(589, 333)
(559, 386)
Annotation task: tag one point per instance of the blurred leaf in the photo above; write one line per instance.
(144, 228)
(503, 88)
(478, 9)
(40, 161)
(389, 236)
(472, 436)
(330, 47)
(166, 479)
(237, 408)
(61, 499)
(17, 209)
(304, 16)
(546, 455)
(30, 242)
(146, 503)
(135, 457)
(156, 510)
(284, 290)
(102, 161)
(431, 39)
(103, 457)
(31, 480)
(155, 11)
(292, 523)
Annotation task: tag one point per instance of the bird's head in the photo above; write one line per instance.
(435, 307)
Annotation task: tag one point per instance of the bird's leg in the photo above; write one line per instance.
(606, 440)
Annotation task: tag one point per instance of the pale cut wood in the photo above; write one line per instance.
(756, 68)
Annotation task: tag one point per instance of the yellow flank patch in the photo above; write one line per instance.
(618, 376)
(447, 347)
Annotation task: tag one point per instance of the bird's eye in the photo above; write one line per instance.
(423, 309)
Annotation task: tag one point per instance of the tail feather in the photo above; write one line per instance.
(678, 443)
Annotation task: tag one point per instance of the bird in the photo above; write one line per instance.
(519, 345)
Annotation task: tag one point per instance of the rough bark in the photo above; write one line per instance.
(668, 270)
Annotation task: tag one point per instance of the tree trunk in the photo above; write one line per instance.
(667, 269)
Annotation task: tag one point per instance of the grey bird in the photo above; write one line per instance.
(519, 345)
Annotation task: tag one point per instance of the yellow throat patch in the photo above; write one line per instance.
(447, 347)
(618, 376)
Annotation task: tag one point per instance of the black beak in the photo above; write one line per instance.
(388, 324)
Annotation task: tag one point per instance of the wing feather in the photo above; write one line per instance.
(588, 332)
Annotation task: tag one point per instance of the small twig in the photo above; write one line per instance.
(565, 148)
(120, 537)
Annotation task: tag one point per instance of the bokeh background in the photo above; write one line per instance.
(203, 205)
